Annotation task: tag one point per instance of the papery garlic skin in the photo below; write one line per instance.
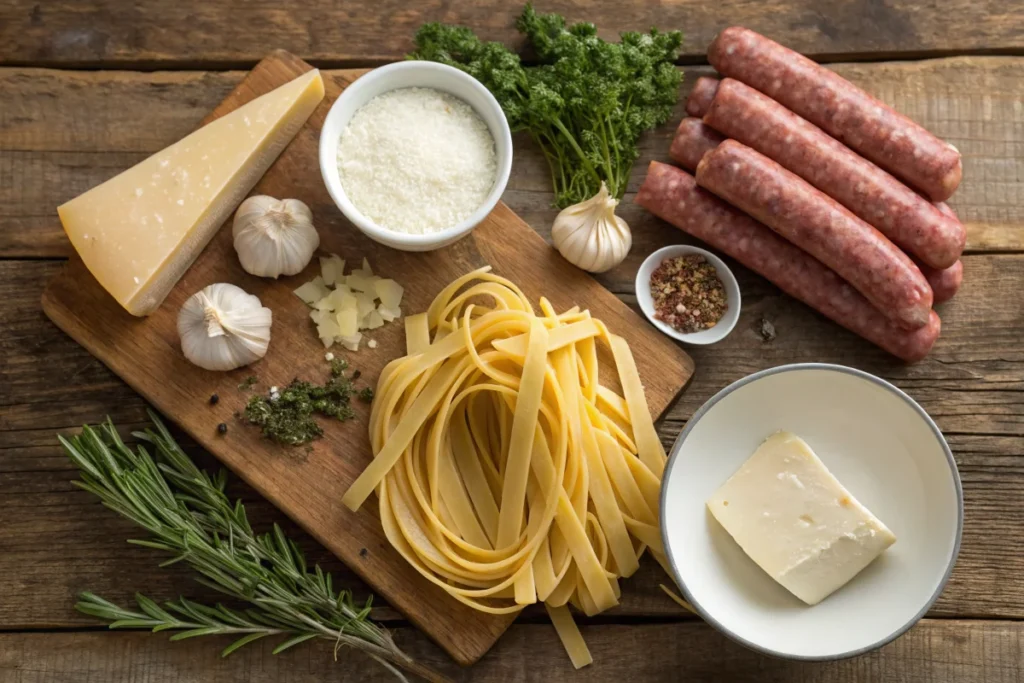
(274, 236)
(589, 234)
(223, 328)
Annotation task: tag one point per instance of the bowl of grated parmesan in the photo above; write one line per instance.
(416, 154)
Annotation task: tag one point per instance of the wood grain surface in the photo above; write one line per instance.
(195, 33)
(63, 131)
(308, 485)
(948, 651)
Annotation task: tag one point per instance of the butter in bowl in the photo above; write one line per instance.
(795, 520)
(818, 546)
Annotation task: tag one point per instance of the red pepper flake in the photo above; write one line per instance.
(688, 294)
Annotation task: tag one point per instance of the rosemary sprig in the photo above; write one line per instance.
(187, 513)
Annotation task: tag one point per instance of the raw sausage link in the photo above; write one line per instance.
(846, 112)
(692, 141)
(673, 195)
(945, 283)
(703, 92)
(820, 226)
(744, 114)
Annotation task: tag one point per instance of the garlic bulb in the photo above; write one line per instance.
(589, 234)
(274, 236)
(223, 328)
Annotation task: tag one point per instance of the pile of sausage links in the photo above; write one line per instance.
(818, 186)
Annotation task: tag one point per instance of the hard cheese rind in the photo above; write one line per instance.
(140, 231)
(796, 521)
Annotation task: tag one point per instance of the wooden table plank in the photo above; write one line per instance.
(63, 132)
(972, 384)
(191, 33)
(934, 651)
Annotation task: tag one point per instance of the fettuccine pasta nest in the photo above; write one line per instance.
(507, 474)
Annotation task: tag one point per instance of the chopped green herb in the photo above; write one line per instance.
(339, 366)
(288, 416)
(248, 383)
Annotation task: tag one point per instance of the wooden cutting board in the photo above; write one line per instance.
(308, 486)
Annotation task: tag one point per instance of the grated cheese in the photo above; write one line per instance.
(417, 160)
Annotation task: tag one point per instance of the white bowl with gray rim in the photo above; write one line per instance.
(414, 74)
(732, 293)
(885, 450)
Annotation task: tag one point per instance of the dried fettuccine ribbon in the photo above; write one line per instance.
(506, 472)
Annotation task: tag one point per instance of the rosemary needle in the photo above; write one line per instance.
(188, 514)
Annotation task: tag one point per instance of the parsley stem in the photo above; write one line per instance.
(557, 123)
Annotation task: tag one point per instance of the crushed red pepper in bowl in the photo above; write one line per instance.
(688, 294)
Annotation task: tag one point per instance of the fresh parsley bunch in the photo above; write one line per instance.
(587, 101)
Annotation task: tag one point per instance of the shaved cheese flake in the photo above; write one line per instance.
(360, 282)
(389, 292)
(348, 322)
(365, 305)
(351, 342)
(345, 304)
(313, 291)
(324, 304)
(389, 314)
(340, 299)
(327, 330)
(331, 268)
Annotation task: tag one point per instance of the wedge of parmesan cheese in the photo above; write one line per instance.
(140, 231)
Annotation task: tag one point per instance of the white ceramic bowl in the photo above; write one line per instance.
(732, 292)
(411, 74)
(882, 447)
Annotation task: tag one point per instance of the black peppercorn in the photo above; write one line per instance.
(222, 428)
(214, 399)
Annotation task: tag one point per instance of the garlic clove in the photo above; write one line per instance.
(222, 328)
(274, 237)
(589, 234)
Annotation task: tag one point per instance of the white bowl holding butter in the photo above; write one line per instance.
(387, 80)
(879, 445)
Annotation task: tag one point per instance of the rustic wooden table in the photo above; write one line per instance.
(89, 88)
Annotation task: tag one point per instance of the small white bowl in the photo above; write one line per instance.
(414, 74)
(880, 445)
(732, 292)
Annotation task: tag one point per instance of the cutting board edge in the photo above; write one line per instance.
(64, 317)
(58, 313)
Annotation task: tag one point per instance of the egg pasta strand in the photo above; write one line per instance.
(506, 473)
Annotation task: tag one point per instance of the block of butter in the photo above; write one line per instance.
(140, 231)
(796, 521)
